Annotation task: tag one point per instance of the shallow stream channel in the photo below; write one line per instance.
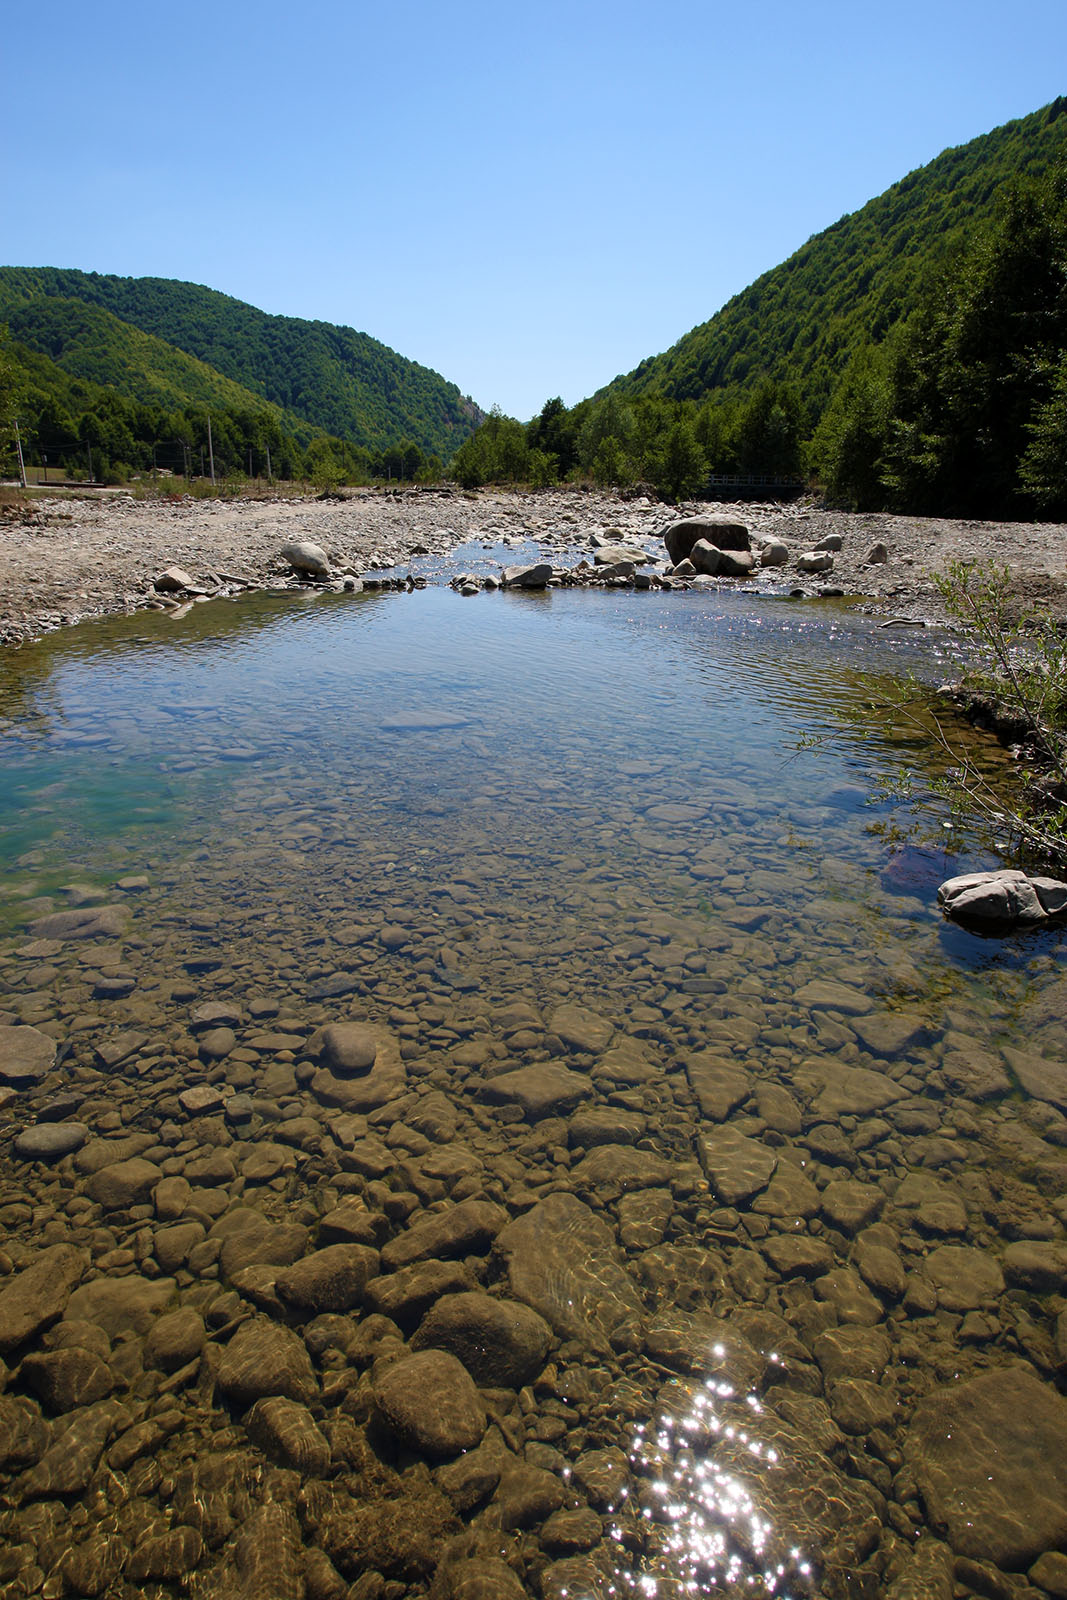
(489, 1106)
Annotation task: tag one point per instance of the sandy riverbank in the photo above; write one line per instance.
(62, 560)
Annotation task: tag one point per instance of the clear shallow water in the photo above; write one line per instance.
(425, 811)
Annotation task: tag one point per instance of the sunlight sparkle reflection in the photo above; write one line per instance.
(700, 1528)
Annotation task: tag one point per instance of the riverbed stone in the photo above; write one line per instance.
(100, 1153)
(858, 1405)
(71, 1459)
(83, 922)
(827, 994)
(331, 1279)
(581, 1028)
(501, 1343)
(355, 1089)
(26, 1055)
(1036, 1264)
(120, 1305)
(38, 1294)
(798, 1255)
(855, 1092)
(348, 1049)
(720, 1086)
(175, 1338)
(737, 1166)
(598, 1125)
(124, 1184)
(65, 1379)
(1043, 1077)
(250, 1239)
(562, 1260)
(49, 1141)
(850, 1205)
(264, 1359)
(614, 1168)
(698, 1343)
(286, 1431)
(429, 1401)
(542, 1090)
(892, 1033)
(466, 1228)
(990, 1458)
(965, 1278)
(406, 1295)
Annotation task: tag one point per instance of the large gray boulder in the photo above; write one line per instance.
(309, 559)
(722, 532)
(815, 561)
(1000, 900)
(530, 577)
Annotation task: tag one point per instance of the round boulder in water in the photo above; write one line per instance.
(47, 1141)
(429, 1401)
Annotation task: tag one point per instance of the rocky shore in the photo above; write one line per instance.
(540, 1190)
(65, 559)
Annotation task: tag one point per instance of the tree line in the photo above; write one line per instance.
(90, 432)
(959, 409)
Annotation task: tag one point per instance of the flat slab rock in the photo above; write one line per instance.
(990, 1458)
(563, 1261)
(1042, 1077)
(26, 1056)
(719, 1086)
(467, 1228)
(542, 1090)
(736, 1166)
(581, 1028)
(36, 1296)
(618, 1166)
(83, 922)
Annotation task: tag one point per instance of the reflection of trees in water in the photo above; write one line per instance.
(29, 692)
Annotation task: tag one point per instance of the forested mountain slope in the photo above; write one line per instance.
(802, 321)
(89, 344)
(329, 377)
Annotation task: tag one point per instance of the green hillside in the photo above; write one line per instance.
(331, 378)
(89, 344)
(801, 322)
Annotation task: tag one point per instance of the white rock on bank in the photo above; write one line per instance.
(1001, 899)
(303, 556)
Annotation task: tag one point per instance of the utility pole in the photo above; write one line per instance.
(18, 447)
(210, 449)
(90, 450)
(270, 475)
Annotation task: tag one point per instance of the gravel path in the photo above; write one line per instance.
(65, 559)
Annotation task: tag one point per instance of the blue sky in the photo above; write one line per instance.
(529, 199)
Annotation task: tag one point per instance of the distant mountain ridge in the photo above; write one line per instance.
(848, 285)
(157, 340)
